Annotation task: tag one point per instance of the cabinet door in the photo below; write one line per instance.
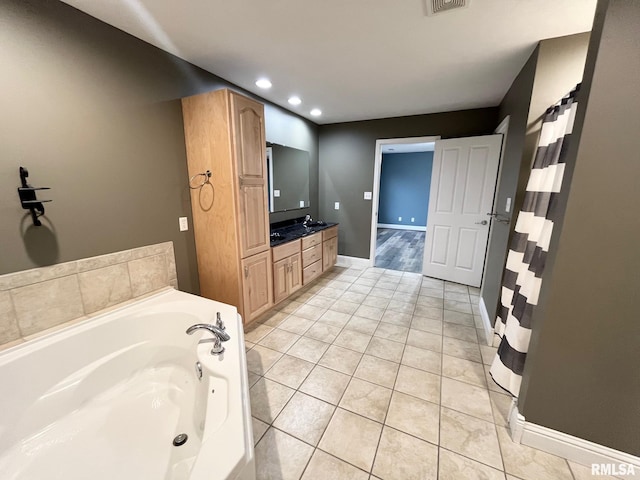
(295, 273)
(329, 253)
(257, 285)
(334, 251)
(280, 280)
(250, 163)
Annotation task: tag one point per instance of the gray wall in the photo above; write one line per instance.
(347, 159)
(95, 114)
(553, 70)
(516, 105)
(581, 375)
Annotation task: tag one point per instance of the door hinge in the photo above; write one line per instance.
(246, 272)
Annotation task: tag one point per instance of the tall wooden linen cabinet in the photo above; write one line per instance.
(224, 133)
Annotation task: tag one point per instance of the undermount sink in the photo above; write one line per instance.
(297, 230)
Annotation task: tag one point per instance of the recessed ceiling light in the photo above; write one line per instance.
(316, 112)
(263, 83)
(295, 100)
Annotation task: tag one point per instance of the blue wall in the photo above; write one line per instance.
(405, 182)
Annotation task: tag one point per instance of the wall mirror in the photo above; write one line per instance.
(288, 170)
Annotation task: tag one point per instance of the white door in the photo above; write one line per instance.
(463, 183)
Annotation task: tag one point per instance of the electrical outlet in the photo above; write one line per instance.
(399, 219)
(367, 195)
(184, 224)
(336, 206)
(276, 193)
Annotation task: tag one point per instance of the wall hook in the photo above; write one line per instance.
(28, 198)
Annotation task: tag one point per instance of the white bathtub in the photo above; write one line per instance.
(105, 398)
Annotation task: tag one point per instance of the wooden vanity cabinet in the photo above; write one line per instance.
(224, 134)
(287, 270)
(329, 248)
(311, 257)
(256, 285)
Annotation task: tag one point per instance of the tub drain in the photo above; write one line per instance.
(180, 439)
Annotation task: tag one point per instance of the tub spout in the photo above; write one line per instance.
(219, 336)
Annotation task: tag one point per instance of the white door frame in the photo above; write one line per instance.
(503, 129)
(376, 184)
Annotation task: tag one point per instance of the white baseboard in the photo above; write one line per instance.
(564, 445)
(402, 227)
(345, 261)
(484, 315)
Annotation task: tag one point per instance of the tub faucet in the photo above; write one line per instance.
(219, 336)
(219, 322)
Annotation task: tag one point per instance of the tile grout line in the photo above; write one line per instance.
(362, 353)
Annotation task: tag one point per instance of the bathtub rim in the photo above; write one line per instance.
(246, 466)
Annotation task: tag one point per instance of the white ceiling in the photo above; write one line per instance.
(353, 59)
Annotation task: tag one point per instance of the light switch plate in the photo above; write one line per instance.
(184, 224)
(367, 195)
(276, 193)
(301, 203)
(507, 207)
(336, 205)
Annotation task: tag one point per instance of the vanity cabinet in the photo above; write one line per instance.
(224, 134)
(287, 270)
(329, 248)
(311, 257)
(256, 285)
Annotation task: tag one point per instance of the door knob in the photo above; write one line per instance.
(483, 222)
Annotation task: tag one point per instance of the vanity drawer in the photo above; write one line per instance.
(311, 240)
(329, 233)
(285, 250)
(311, 272)
(311, 255)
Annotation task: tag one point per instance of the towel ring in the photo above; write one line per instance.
(205, 180)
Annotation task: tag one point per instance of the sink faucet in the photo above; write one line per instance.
(219, 336)
(307, 219)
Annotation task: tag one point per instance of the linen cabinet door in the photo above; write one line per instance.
(250, 164)
(257, 285)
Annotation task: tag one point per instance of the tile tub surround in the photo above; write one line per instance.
(34, 301)
(384, 392)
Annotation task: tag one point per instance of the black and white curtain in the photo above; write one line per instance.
(522, 277)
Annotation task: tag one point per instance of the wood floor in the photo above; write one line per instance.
(400, 249)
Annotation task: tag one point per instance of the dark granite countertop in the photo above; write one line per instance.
(286, 233)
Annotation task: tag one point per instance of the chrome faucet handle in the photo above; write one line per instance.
(217, 348)
(219, 336)
(219, 322)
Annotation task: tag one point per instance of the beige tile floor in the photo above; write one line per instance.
(380, 374)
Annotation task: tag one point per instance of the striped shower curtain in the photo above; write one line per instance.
(522, 277)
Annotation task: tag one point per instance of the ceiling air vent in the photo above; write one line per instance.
(438, 6)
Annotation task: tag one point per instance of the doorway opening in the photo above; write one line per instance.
(402, 179)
